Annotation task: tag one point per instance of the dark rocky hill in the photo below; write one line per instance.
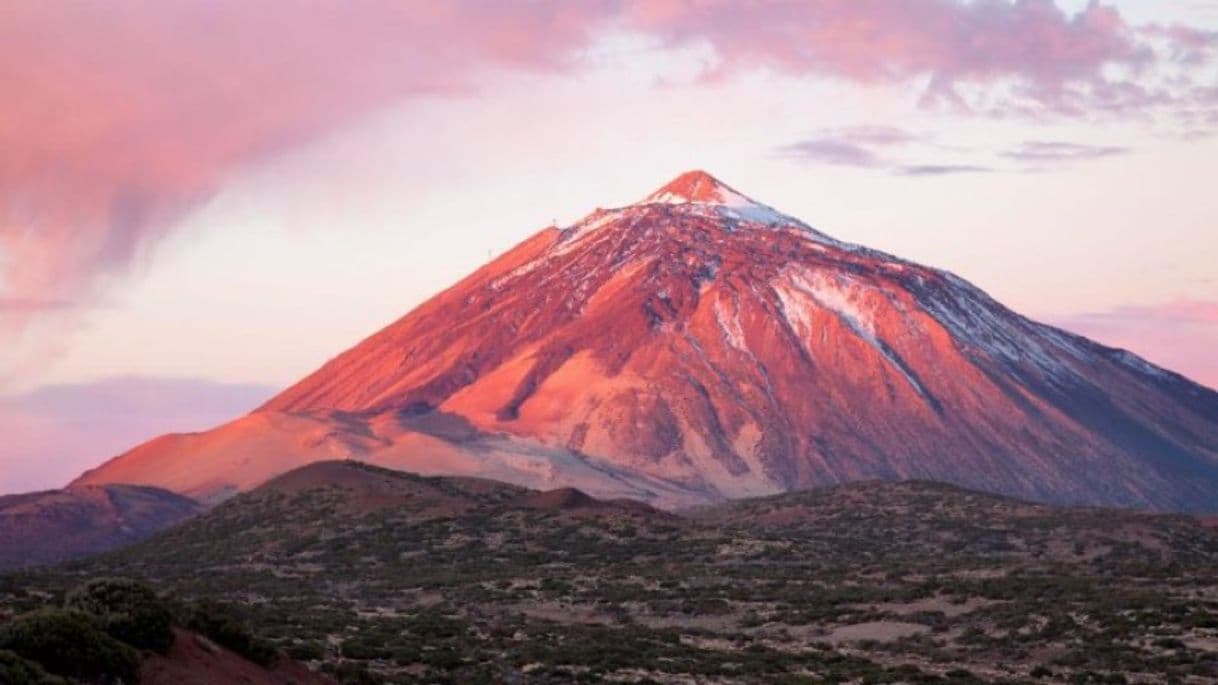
(57, 525)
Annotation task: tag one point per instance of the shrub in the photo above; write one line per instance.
(218, 623)
(363, 649)
(69, 643)
(15, 670)
(352, 673)
(128, 611)
(309, 650)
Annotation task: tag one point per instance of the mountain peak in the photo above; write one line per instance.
(698, 187)
(699, 345)
(700, 190)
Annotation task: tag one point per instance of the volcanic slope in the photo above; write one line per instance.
(697, 346)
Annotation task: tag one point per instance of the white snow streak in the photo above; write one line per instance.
(970, 315)
(729, 323)
(841, 296)
(838, 295)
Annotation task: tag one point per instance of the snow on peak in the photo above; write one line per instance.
(700, 188)
(697, 187)
(698, 193)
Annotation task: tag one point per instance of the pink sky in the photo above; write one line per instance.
(231, 192)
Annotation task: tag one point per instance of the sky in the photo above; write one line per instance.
(203, 200)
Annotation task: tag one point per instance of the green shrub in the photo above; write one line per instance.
(309, 650)
(69, 643)
(223, 627)
(128, 611)
(353, 673)
(363, 649)
(15, 670)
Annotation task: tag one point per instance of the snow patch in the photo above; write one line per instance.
(755, 213)
(701, 190)
(842, 297)
(971, 316)
(1133, 361)
(729, 323)
(585, 227)
(794, 310)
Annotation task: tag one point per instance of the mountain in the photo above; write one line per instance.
(698, 346)
(441, 579)
(59, 525)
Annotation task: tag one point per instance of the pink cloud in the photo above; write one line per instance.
(1180, 335)
(1041, 151)
(1030, 41)
(872, 147)
(52, 434)
(1188, 44)
(119, 117)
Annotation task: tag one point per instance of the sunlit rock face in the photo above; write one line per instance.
(698, 346)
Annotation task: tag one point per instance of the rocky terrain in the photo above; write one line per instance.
(372, 575)
(699, 346)
(58, 525)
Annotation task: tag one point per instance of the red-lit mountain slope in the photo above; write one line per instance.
(698, 345)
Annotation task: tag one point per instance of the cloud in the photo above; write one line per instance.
(831, 151)
(1059, 151)
(870, 147)
(16, 305)
(941, 169)
(1181, 335)
(1186, 44)
(877, 135)
(884, 149)
(1055, 60)
(54, 433)
(117, 119)
(858, 146)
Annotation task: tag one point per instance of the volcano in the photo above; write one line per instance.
(699, 346)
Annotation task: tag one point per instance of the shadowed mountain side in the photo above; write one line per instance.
(59, 525)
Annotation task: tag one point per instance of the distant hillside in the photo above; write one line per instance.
(399, 578)
(58, 525)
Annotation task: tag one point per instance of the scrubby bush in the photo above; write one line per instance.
(223, 627)
(354, 673)
(308, 650)
(69, 643)
(363, 649)
(128, 611)
(15, 670)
